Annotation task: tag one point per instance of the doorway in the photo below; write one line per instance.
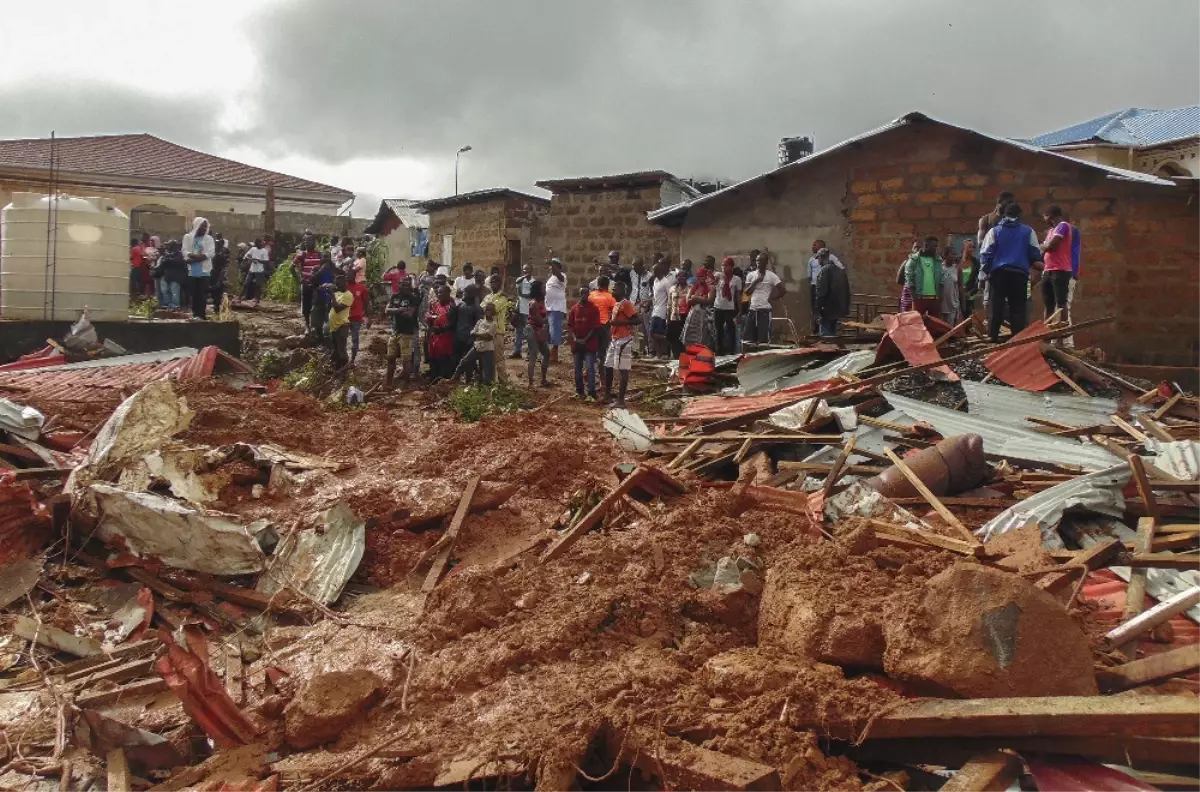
(512, 260)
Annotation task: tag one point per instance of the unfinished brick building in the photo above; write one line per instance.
(487, 227)
(590, 216)
(872, 196)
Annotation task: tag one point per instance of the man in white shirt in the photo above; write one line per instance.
(524, 289)
(463, 281)
(256, 259)
(641, 282)
(199, 249)
(727, 306)
(556, 306)
(660, 291)
(763, 286)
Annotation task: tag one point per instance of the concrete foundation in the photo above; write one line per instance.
(21, 337)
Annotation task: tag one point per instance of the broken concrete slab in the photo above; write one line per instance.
(983, 633)
(152, 525)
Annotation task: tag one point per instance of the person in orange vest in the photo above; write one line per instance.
(622, 319)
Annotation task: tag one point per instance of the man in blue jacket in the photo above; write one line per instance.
(1010, 249)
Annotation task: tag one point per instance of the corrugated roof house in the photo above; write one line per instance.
(1164, 142)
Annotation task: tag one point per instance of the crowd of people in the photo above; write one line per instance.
(996, 271)
(458, 325)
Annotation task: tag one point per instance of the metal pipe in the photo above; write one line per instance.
(1147, 621)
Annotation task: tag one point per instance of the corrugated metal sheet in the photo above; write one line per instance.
(847, 364)
(1009, 405)
(407, 212)
(1098, 492)
(868, 438)
(1116, 173)
(1024, 366)
(1005, 437)
(1180, 459)
(709, 407)
(761, 371)
(108, 378)
(1133, 126)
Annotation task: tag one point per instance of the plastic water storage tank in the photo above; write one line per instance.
(89, 260)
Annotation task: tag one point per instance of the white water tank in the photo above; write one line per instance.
(88, 261)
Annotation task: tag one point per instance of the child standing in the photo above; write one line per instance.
(536, 332)
(339, 319)
(482, 354)
(949, 290)
(358, 314)
(402, 309)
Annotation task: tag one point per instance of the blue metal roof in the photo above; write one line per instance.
(1133, 126)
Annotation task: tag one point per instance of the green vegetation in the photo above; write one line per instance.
(143, 308)
(284, 285)
(473, 402)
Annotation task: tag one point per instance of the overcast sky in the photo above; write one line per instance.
(375, 96)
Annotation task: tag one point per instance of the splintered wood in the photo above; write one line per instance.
(448, 541)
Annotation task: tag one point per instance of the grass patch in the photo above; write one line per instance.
(472, 402)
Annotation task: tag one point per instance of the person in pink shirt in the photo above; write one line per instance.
(1056, 255)
(393, 277)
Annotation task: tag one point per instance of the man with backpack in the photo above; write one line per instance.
(1010, 249)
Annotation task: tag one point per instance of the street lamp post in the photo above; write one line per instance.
(461, 151)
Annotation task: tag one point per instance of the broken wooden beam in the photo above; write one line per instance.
(1149, 670)
(994, 771)
(954, 751)
(571, 535)
(103, 698)
(932, 499)
(442, 560)
(1138, 467)
(1184, 561)
(825, 467)
(123, 672)
(117, 769)
(1051, 716)
(678, 764)
(927, 537)
(54, 638)
(1167, 406)
(1071, 383)
(1135, 594)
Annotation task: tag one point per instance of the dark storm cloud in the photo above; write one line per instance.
(34, 108)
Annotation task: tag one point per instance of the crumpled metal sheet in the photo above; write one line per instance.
(1072, 774)
(1004, 437)
(138, 426)
(846, 364)
(1024, 366)
(319, 562)
(1098, 492)
(145, 750)
(628, 429)
(908, 333)
(866, 437)
(1162, 584)
(147, 524)
(859, 500)
(1001, 403)
(20, 420)
(758, 371)
(1180, 459)
(712, 407)
(204, 698)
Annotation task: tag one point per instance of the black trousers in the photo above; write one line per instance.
(726, 332)
(337, 341)
(1055, 288)
(675, 337)
(307, 290)
(1009, 297)
(199, 295)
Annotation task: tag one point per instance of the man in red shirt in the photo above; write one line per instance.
(584, 324)
(305, 264)
(358, 314)
(137, 263)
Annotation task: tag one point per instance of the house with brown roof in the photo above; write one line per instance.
(162, 185)
(592, 215)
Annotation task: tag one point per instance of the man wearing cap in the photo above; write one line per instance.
(814, 269)
(556, 305)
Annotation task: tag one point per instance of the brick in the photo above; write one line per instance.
(867, 229)
(872, 199)
(922, 167)
(1006, 178)
(862, 214)
(1068, 193)
(944, 181)
(946, 211)
(864, 186)
(965, 196)
(881, 243)
(1093, 207)
(930, 197)
(974, 180)
(888, 213)
(909, 212)
(891, 184)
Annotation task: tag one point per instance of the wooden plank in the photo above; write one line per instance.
(120, 673)
(22, 474)
(825, 467)
(838, 468)
(953, 331)
(1174, 541)
(678, 764)
(1179, 528)
(1156, 430)
(1052, 716)
(955, 751)
(743, 449)
(573, 534)
(1099, 555)
(1145, 622)
(234, 671)
(1052, 424)
(928, 537)
(119, 655)
(1145, 492)
(1167, 406)
(54, 638)
(994, 771)
(685, 453)
(1071, 383)
(970, 503)
(1129, 428)
(1148, 670)
(1139, 561)
(451, 536)
(1135, 595)
(117, 768)
(143, 687)
(920, 487)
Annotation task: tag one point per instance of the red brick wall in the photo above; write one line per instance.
(587, 225)
(1140, 260)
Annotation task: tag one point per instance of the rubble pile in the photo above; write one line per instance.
(807, 581)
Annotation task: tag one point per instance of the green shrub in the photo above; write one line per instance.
(284, 285)
(473, 402)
